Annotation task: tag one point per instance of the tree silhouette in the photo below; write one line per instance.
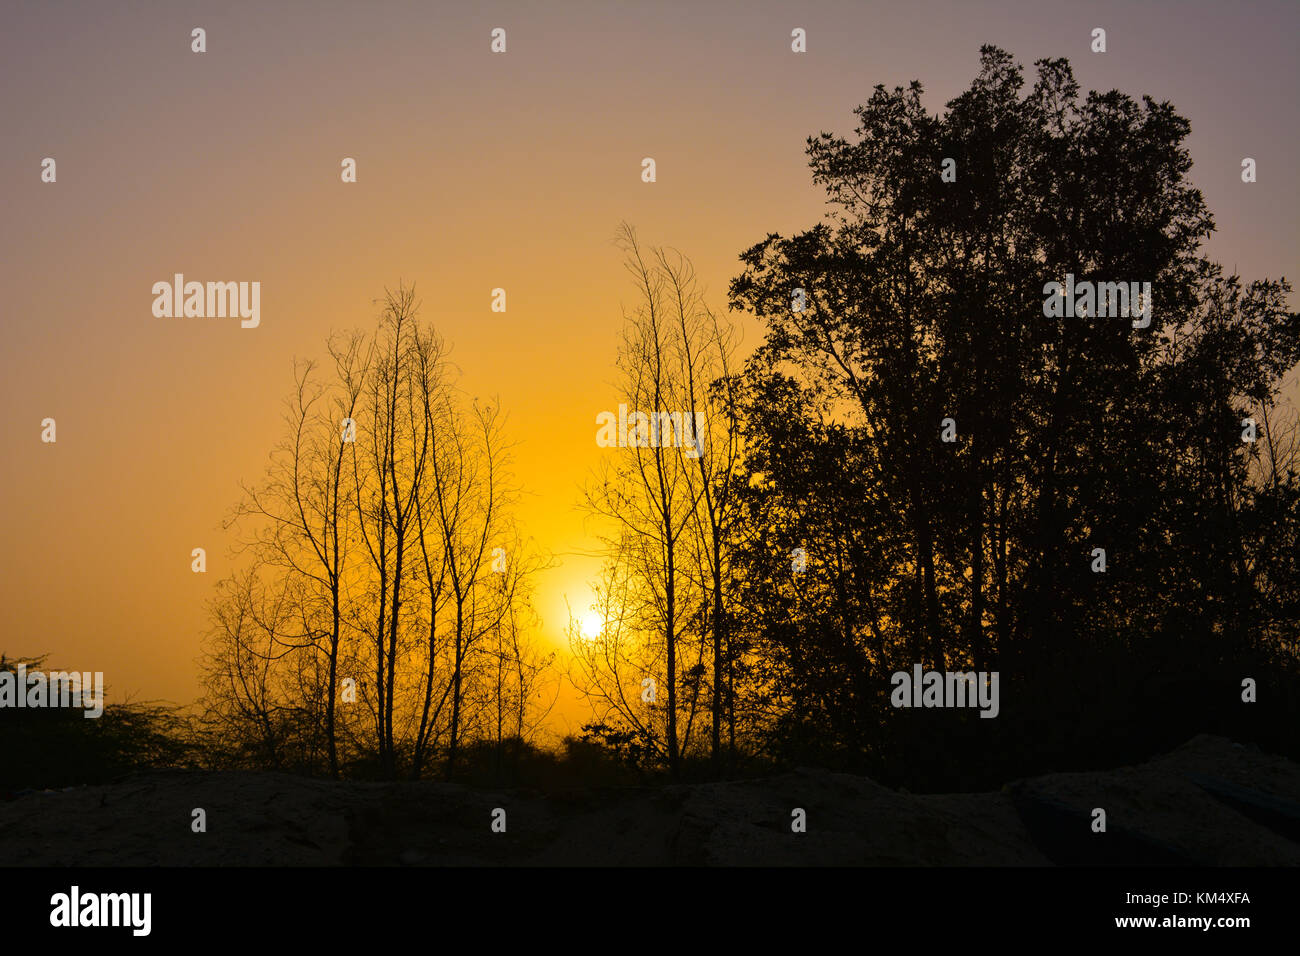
(668, 500)
(381, 553)
(920, 300)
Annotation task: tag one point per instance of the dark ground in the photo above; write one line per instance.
(1210, 802)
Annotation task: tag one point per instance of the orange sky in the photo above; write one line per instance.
(475, 171)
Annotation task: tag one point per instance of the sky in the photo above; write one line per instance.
(475, 171)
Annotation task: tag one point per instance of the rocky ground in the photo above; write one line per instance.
(1210, 802)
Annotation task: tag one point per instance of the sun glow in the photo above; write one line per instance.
(590, 625)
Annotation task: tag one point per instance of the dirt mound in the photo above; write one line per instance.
(1210, 802)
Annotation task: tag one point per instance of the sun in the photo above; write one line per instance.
(590, 625)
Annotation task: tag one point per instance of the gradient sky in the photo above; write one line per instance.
(475, 171)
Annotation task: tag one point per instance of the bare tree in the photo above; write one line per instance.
(667, 497)
(376, 531)
(705, 348)
(469, 497)
(300, 514)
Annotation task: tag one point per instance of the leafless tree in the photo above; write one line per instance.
(376, 530)
(667, 498)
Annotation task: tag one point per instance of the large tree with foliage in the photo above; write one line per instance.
(921, 299)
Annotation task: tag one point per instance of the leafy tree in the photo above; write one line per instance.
(921, 299)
